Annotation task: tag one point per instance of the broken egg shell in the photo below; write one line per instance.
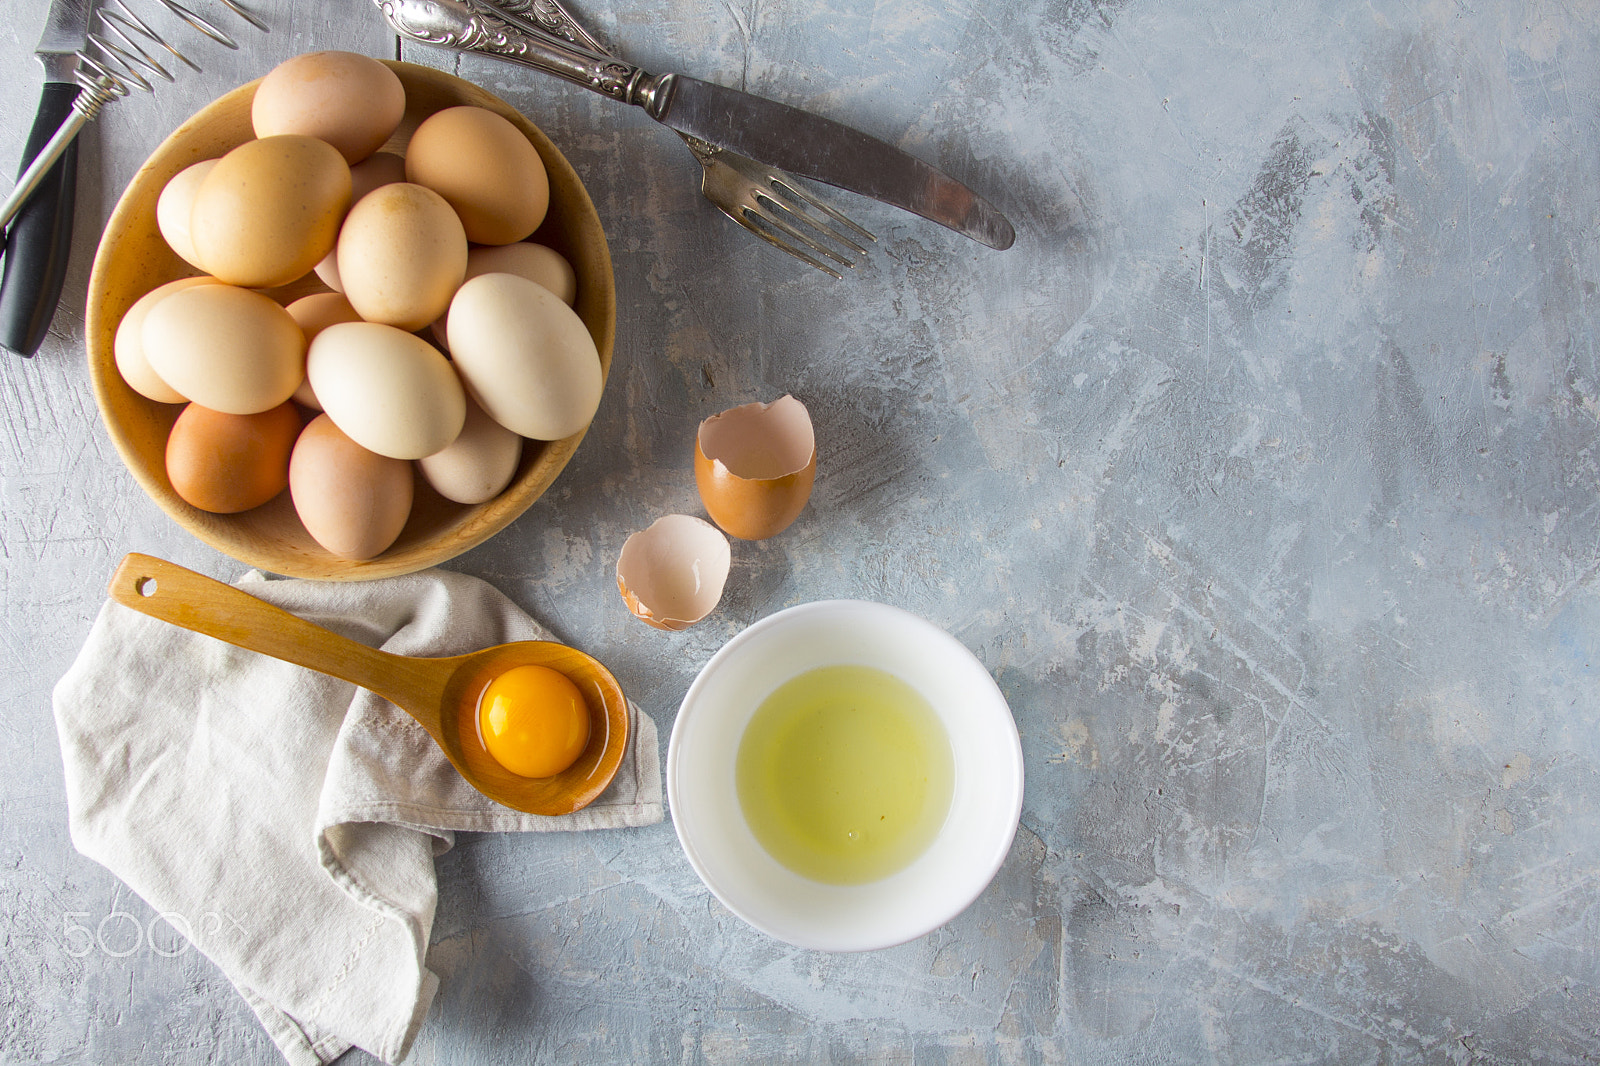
(671, 574)
(755, 465)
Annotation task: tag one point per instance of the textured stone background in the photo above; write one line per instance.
(1261, 473)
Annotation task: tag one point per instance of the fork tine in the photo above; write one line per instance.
(743, 187)
(746, 217)
(764, 198)
(776, 213)
(759, 211)
(812, 201)
(753, 201)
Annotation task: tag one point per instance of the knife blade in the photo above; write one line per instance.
(39, 240)
(772, 133)
(819, 148)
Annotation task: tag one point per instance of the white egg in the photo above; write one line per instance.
(128, 345)
(173, 207)
(389, 391)
(475, 466)
(230, 349)
(525, 356)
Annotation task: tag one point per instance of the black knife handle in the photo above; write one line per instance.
(40, 238)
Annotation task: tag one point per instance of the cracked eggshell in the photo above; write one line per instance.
(755, 465)
(671, 574)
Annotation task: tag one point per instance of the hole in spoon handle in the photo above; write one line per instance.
(201, 604)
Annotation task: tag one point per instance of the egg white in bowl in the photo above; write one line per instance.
(133, 258)
(722, 840)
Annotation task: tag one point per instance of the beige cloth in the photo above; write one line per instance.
(287, 822)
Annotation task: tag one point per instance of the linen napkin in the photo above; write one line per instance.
(287, 822)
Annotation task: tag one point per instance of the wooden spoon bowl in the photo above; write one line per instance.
(440, 693)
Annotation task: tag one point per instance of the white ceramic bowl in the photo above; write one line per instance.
(984, 806)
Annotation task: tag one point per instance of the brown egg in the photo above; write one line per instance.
(380, 168)
(401, 256)
(352, 501)
(229, 463)
(539, 264)
(754, 466)
(671, 574)
(489, 172)
(351, 101)
(269, 210)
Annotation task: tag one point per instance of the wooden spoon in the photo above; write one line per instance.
(441, 694)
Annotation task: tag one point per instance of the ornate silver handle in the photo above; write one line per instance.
(464, 25)
(549, 19)
(548, 16)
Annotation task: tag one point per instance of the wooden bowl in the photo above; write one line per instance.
(133, 258)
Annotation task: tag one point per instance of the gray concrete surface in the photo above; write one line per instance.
(1261, 473)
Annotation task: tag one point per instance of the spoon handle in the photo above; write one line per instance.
(201, 604)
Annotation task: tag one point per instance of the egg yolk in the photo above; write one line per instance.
(533, 721)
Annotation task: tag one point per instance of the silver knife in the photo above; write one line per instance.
(776, 134)
(40, 239)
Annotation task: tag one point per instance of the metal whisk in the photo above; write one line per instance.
(108, 70)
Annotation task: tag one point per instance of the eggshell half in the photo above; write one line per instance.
(389, 390)
(754, 466)
(671, 574)
(351, 500)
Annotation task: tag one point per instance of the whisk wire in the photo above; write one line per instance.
(108, 71)
(201, 24)
(115, 20)
(244, 13)
(119, 24)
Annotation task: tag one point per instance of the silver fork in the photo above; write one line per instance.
(762, 199)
